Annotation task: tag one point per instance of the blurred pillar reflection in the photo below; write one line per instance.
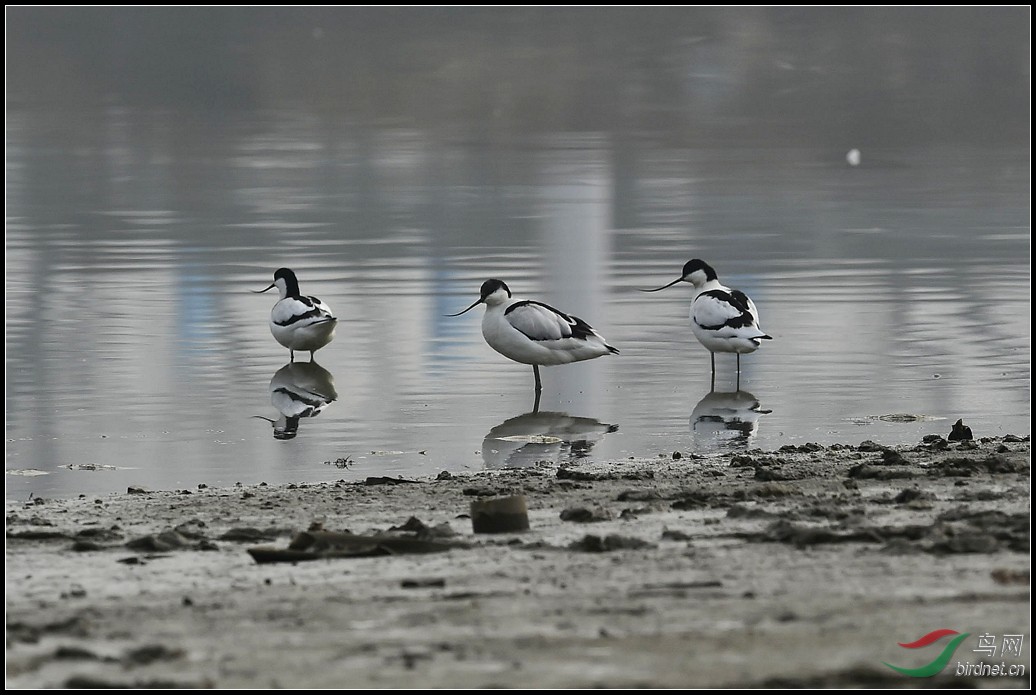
(576, 243)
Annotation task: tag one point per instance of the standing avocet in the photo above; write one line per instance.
(723, 320)
(297, 322)
(534, 333)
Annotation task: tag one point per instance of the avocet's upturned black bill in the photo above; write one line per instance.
(535, 333)
(723, 320)
(298, 322)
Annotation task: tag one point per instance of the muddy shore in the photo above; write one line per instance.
(802, 567)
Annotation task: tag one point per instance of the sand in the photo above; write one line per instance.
(798, 567)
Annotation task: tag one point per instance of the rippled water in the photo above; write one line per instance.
(897, 292)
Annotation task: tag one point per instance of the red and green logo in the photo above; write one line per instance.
(939, 663)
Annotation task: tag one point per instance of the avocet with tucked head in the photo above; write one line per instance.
(723, 320)
(298, 322)
(535, 333)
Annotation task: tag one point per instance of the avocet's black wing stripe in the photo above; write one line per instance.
(740, 300)
(716, 309)
(295, 318)
(295, 309)
(539, 321)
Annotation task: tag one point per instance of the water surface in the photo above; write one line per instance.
(897, 291)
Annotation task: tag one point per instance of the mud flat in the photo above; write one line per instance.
(801, 567)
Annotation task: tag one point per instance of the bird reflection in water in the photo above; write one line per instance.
(726, 420)
(542, 437)
(299, 390)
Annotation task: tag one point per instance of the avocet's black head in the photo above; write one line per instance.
(492, 292)
(284, 280)
(490, 286)
(695, 271)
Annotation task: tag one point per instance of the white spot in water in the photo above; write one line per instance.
(853, 157)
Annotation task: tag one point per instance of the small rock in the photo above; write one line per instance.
(595, 544)
(960, 432)
(638, 496)
(383, 480)
(191, 529)
(910, 495)
(421, 530)
(692, 500)
(773, 489)
(246, 534)
(866, 470)
(161, 542)
(585, 515)
(1010, 577)
(151, 653)
(770, 474)
(572, 474)
(437, 582)
(71, 652)
(893, 458)
(100, 534)
(479, 492)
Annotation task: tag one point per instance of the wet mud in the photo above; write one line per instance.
(800, 567)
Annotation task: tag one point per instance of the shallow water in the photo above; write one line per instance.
(897, 291)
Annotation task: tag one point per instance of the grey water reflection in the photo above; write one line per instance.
(540, 438)
(726, 421)
(299, 390)
(397, 157)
